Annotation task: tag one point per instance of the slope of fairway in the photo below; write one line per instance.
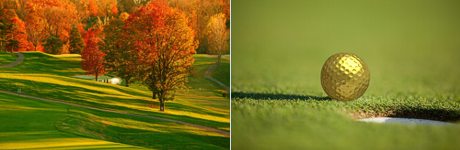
(27, 123)
(52, 77)
(278, 49)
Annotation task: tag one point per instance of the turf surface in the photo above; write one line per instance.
(6, 58)
(278, 49)
(50, 76)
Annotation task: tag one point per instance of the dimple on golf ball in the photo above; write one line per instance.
(345, 76)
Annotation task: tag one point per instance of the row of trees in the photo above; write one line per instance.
(48, 25)
(152, 42)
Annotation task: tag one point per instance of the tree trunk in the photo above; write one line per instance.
(96, 75)
(127, 82)
(162, 104)
(218, 58)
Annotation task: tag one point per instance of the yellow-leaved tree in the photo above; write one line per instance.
(217, 36)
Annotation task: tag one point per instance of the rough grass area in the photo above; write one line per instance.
(51, 76)
(278, 50)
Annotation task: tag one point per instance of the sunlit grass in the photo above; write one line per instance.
(22, 108)
(64, 143)
(65, 81)
(197, 115)
(99, 89)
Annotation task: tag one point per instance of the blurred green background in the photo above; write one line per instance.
(412, 48)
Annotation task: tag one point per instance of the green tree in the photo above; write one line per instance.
(53, 44)
(118, 59)
(12, 44)
(5, 30)
(76, 41)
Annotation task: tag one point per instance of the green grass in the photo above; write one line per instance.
(278, 50)
(28, 123)
(50, 76)
(222, 72)
(6, 58)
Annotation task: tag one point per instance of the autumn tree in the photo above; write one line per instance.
(82, 9)
(14, 36)
(92, 57)
(35, 26)
(118, 59)
(93, 9)
(50, 18)
(114, 8)
(124, 16)
(164, 44)
(5, 30)
(60, 20)
(217, 36)
(19, 34)
(131, 5)
(76, 41)
(200, 11)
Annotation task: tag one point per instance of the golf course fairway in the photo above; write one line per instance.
(43, 105)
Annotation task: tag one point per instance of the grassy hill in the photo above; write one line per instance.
(103, 113)
(6, 57)
(278, 49)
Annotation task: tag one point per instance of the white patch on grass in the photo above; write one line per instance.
(115, 80)
(100, 78)
(403, 121)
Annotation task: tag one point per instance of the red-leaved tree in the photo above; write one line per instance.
(92, 57)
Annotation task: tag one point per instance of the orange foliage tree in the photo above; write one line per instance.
(35, 26)
(164, 45)
(199, 12)
(92, 57)
(93, 8)
(20, 35)
(114, 8)
(15, 37)
(50, 18)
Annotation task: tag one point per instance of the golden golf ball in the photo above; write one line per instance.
(345, 76)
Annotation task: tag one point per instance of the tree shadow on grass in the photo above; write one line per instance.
(270, 96)
(162, 135)
(77, 95)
